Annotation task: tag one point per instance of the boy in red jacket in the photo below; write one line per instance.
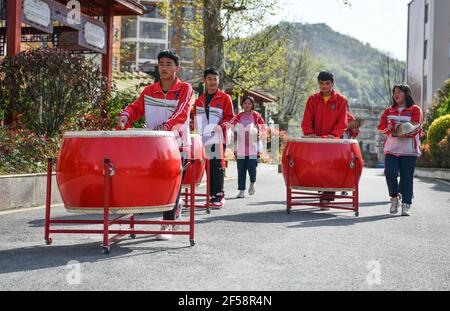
(166, 106)
(213, 113)
(325, 114)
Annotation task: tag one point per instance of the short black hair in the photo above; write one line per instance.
(211, 71)
(171, 55)
(326, 76)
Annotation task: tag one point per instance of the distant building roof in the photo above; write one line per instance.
(130, 80)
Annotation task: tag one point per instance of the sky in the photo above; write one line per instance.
(381, 23)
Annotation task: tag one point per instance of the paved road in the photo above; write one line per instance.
(251, 244)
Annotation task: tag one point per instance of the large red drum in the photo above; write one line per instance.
(196, 152)
(322, 164)
(146, 165)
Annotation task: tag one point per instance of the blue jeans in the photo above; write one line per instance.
(405, 165)
(244, 165)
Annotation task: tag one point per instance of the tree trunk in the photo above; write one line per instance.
(213, 36)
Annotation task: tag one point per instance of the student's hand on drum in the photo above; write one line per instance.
(161, 127)
(122, 122)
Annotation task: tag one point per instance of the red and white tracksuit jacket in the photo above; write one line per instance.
(172, 109)
(255, 131)
(221, 113)
(323, 119)
(401, 146)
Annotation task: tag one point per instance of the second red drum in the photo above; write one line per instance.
(197, 152)
(322, 164)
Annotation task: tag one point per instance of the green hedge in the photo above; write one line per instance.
(438, 132)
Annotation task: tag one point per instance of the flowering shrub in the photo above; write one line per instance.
(24, 152)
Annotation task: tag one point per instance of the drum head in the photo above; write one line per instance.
(115, 134)
(323, 141)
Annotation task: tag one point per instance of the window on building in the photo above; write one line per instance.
(151, 30)
(188, 13)
(427, 12)
(155, 12)
(187, 54)
(129, 28)
(425, 50)
(425, 88)
(150, 50)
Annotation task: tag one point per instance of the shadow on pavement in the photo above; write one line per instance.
(372, 204)
(336, 221)
(302, 216)
(43, 256)
(437, 185)
(39, 223)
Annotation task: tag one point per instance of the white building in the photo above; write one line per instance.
(428, 57)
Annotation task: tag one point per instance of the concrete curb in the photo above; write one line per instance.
(437, 173)
(24, 191)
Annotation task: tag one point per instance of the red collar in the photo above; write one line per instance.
(395, 108)
(174, 88)
(218, 95)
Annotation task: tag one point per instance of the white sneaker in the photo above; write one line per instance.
(164, 237)
(241, 194)
(252, 190)
(406, 209)
(395, 204)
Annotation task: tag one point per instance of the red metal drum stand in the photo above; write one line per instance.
(309, 197)
(129, 219)
(190, 194)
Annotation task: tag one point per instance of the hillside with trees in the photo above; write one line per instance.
(362, 72)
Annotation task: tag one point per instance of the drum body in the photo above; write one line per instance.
(322, 164)
(196, 152)
(146, 171)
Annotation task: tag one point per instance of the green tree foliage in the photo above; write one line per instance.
(48, 87)
(440, 105)
(297, 80)
(252, 61)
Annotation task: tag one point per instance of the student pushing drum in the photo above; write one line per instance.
(166, 106)
(325, 115)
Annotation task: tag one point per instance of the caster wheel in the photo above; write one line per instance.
(357, 214)
(132, 236)
(288, 211)
(208, 211)
(106, 250)
(49, 241)
(192, 242)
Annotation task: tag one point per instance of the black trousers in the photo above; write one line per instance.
(171, 215)
(217, 174)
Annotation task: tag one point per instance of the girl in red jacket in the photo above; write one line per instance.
(401, 151)
(250, 127)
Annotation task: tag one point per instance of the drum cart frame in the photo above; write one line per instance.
(189, 202)
(303, 196)
(120, 220)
